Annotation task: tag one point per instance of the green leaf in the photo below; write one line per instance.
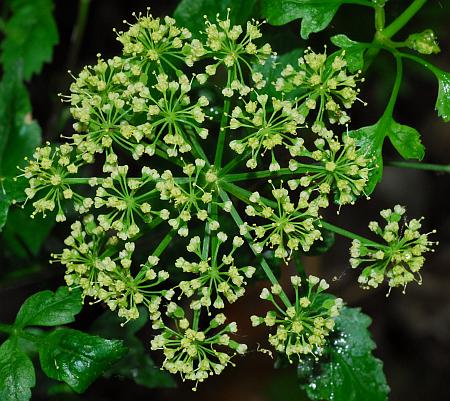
(137, 364)
(443, 98)
(406, 140)
(47, 308)
(354, 52)
(19, 136)
(189, 13)
(315, 14)
(24, 236)
(30, 35)
(370, 139)
(349, 372)
(78, 358)
(17, 375)
(271, 70)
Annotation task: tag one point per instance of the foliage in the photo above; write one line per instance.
(30, 35)
(65, 354)
(348, 371)
(169, 137)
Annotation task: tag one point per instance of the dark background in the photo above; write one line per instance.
(412, 331)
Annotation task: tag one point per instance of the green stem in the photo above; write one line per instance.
(222, 130)
(435, 70)
(80, 180)
(444, 168)
(379, 18)
(244, 195)
(222, 135)
(346, 233)
(403, 18)
(207, 237)
(164, 243)
(9, 329)
(78, 31)
(270, 174)
(85, 180)
(199, 150)
(6, 328)
(265, 266)
(196, 319)
(233, 163)
(397, 83)
(383, 35)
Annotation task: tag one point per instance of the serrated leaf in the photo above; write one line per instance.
(349, 371)
(315, 14)
(78, 358)
(271, 70)
(240, 12)
(370, 139)
(354, 52)
(19, 135)
(443, 98)
(17, 375)
(406, 140)
(30, 35)
(47, 308)
(136, 364)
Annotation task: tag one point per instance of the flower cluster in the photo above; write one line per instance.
(174, 120)
(342, 169)
(153, 40)
(229, 46)
(216, 279)
(126, 199)
(193, 353)
(267, 125)
(290, 225)
(191, 196)
(151, 170)
(399, 259)
(302, 328)
(323, 83)
(101, 267)
(48, 175)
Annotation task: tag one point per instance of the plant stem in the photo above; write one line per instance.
(383, 35)
(435, 70)
(270, 174)
(85, 180)
(196, 319)
(207, 237)
(444, 168)
(397, 83)
(78, 31)
(403, 18)
(379, 18)
(265, 266)
(5, 328)
(243, 195)
(345, 233)
(222, 131)
(222, 134)
(164, 243)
